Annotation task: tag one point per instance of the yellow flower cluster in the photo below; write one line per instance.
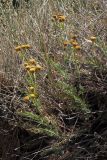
(32, 66)
(65, 43)
(59, 17)
(92, 39)
(24, 46)
(72, 42)
(32, 94)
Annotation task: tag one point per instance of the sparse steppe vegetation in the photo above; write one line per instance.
(53, 80)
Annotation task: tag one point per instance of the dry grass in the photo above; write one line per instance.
(69, 75)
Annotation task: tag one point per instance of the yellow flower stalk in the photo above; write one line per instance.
(26, 98)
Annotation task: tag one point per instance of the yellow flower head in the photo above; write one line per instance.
(74, 43)
(61, 18)
(31, 89)
(38, 67)
(93, 39)
(74, 37)
(25, 64)
(26, 98)
(32, 96)
(55, 17)
(28, 67)
(32, 69)
(18, 48)
(32, 61)
(77, 47)
(25, 46)
(65, 43)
